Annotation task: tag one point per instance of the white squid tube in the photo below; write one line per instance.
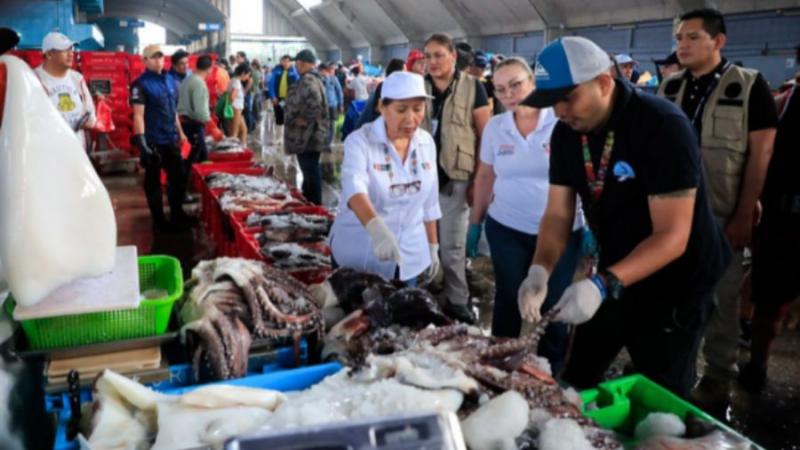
(56, 219)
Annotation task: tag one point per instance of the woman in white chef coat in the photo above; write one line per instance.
(510, 195)
(390, 195)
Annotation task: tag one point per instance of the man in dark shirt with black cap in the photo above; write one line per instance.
(633, 160)
(734, 114)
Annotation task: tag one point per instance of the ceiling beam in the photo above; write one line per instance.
(463, 16)
(169, 21)
(550, 15)
(357, 23)
(410, 30)
(314, 37)
(330, 29)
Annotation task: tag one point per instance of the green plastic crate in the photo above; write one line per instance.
(624, 402)
(149, 319)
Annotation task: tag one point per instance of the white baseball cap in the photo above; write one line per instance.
(57, 41)
(403, 85)
(624, 58)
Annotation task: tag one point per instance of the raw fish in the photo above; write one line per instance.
(56, 219)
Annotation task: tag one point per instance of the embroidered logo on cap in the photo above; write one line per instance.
(541, 73)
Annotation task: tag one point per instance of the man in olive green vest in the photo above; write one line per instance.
(735, 118)
(455, 116)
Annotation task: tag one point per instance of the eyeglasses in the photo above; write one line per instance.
(396, 190)
(513, 88)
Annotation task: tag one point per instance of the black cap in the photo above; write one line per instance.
(671, 59)
(8, 39)
(306, 55)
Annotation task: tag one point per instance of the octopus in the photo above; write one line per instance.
(233, 300)
(407, 323)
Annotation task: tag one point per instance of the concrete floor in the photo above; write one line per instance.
(771, 419)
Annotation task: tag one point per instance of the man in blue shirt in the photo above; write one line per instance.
(283, 76)
(157, 133)
(334, 95)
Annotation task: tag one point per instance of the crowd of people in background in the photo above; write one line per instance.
(493, 149)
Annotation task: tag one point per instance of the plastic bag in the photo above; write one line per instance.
(186, 149)
(104, 123)
(224, 108)
(213, 130)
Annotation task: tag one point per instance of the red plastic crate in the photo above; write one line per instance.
(34, 58)
(201, 170)
(92, 60)
(119, 106)
(246, 155)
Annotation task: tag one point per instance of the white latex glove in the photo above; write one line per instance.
(435, 261)
(532, 292)
(579, 303)
(384, 243)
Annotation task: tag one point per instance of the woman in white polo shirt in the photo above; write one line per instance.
(512, 183)
(390, 192)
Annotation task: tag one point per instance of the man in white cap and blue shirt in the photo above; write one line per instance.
(66, 87)
(634, 161)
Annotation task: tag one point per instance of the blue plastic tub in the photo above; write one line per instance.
(282, 380)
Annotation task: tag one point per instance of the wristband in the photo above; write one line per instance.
(601, 285)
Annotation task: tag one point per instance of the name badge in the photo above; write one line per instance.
(434, 126)
(381, 167)
(505, 150)
(426, 166)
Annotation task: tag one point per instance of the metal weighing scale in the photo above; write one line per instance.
(426, 431)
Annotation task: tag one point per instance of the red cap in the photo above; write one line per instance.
(413, 56)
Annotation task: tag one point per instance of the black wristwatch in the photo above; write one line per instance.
(614, 286)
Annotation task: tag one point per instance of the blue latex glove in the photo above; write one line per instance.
(473, 237)
(588, 243)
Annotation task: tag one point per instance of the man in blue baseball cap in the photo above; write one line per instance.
(634, 161)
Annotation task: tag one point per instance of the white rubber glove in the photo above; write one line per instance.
(579, 303)
(532, 293)
(384, 243)
(435, 261)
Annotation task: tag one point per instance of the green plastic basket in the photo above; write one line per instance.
(149, 319)
(622, 403)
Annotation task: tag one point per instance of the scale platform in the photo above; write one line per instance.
(426, 431)
(118, 289)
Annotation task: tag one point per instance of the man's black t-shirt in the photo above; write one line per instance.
(655, 152)
(781, 194)
(761, 113)
(438, 106)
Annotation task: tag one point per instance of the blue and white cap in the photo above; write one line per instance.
(564, 64)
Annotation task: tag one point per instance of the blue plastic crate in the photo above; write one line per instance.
(283, 380)
(182, 375)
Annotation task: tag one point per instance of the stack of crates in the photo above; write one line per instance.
(107, 74)
(34, 58)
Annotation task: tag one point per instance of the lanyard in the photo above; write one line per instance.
(597, 182)
(711, 86)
